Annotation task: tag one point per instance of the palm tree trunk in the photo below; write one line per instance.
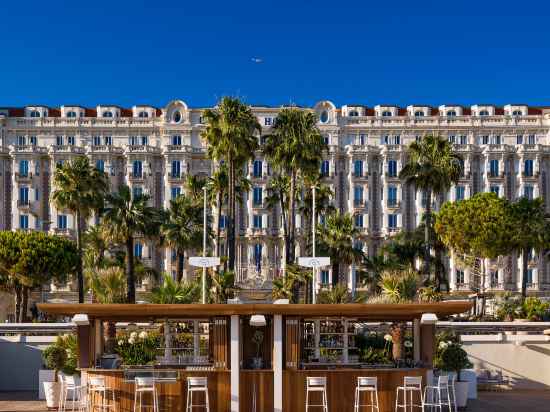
(231, 220)
(427, 227)
(24, 304)
(524, 264)
(79, 274)
(335, 274)
(18, 298)
(291, 218)
(109, 329)
(130, 276)
(180, 259)
(285, 228)
(219, 214)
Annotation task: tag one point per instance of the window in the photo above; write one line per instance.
(484, 113)
(32, 140)
(451, 139)
(462, 167)
(70, 140)
(386, 113)
(37, 168)
(257, 168)
(528, 167)
(519, 139)
(268, 121)
(463, 139)
(143, 114)
(62, 221)
(71, 114)
(223, 222)
(419, 113)
(324, 277)
(137, 168)
(496, 139)
(493, 278)
(325, 168)
(23, 221)
(358, 220)
(451, 113)
(493, 168)
(517, 113)
(176, 168)
(108, 114)
(459, 193)
(36, 194)
(176, 140)
(324, 116)
(35, 113)
(362, 139)
(144, 140)
(175, 191)
(392, 196)
(326, 139)
(358, 195)
(397, 139)
(392, 221)
(392, 168)
(528, 192)
(258, 256)
(176, 117)
(24, 195)
(96, 141)
(494, 189)
(257, 196)
(137, 191)
(108, 141)
(133, 140)
(354, 113)
(532, 139)
(21, 140)
(459, 277)
(358, 168)
(138, 250)
(257, 221)
(23, 168)
(530, 277)
(59, 140)
(484, 139)
(100, 165)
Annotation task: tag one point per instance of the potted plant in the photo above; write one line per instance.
(258, 339)
(453, 358)
(54, 357)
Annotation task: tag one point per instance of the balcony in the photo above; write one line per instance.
(134, 177)
(393, 204)
(23, 177)
(256, 231)
(67, 149)
(172, 177)
(106, 149)
(29, 149)
(23, 204)
(530, 176)
(359, 203)
(143, 148)
(391, 176)
(496, 175)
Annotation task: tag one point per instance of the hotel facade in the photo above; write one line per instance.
(505, 150)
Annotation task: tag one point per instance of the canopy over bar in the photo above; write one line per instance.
(374, 312)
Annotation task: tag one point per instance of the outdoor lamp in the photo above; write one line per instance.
(81, 319)
(428, 319)
(257, 320)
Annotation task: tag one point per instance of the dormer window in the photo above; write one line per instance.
(35, 113)
(143, 114)
(517, 113)
(108, 114)
(71, 114)
(177, 117)
(418, 113)
(484, 113)
(354, 113)
(324, 116)
(451, 113)
(386, 113)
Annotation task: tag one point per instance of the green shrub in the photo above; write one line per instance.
(55, 357)
(69, 343)
(138, 348)
(534, 309)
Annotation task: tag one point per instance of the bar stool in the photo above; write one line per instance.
(145, 385)
(317, 384)
(411, 384)
(370, 386)
(97, 387)
(196, 384)
(453, 391)
(438, 396)
(68, 383)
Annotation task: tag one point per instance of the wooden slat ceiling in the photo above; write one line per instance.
(379, 312)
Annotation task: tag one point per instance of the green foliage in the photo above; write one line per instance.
(69, 343)
(222, 286)
(334, 295)
(452, 358)
(373, 348)
(534, 309)
(508, 307)
(138, 348)
(172, 291)
(429, 294)
(55, 358)
(399, 286)
(283, 287)
(108, 285)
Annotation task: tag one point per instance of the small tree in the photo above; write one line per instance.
(453, 358)
(54, 357)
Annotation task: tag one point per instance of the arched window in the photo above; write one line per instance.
(386, 113)
(418, 113)
(35, 113)
(137, 168)
(324, 116)
(176, 117)
(451, 113)
(325, 168)
(484, 113)
(517, 113)
(108, 114)
(354, 113)
(258, 168)
(71, 114)
(143, 114)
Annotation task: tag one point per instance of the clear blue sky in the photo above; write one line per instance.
(402, 52)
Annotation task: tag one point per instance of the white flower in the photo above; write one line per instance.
(132, 340)
(120, 342)
(443, 345)
(408, 344)
(133, 335)
(143, 335)
(387, 338)
(372, 333)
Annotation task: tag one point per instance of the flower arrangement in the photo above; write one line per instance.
(138, 348)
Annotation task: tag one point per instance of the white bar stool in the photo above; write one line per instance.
(68, 383)
(453, 392)
(197, 384)
(368, 385)
(436, 397)
(317, 384)
(145, 385)
(97, 387)
(411, 384)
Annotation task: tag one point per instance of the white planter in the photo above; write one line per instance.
(44, 375)
(461, 390)
(51, 391)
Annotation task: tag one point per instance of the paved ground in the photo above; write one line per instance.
(524, 401)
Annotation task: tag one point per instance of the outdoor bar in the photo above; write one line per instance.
(256, 357)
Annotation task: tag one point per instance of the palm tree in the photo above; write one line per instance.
(336, 240)
(405, 247)
(323, 204)
(94, 247)
(126, 217)
(277, 196)
(295, 146)
(230, 137)
(183, 229)
(194, 186)
(222, 286)
(217, 186)
(79, 188)
(172, 291)
(285, 287)
(432, 167)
